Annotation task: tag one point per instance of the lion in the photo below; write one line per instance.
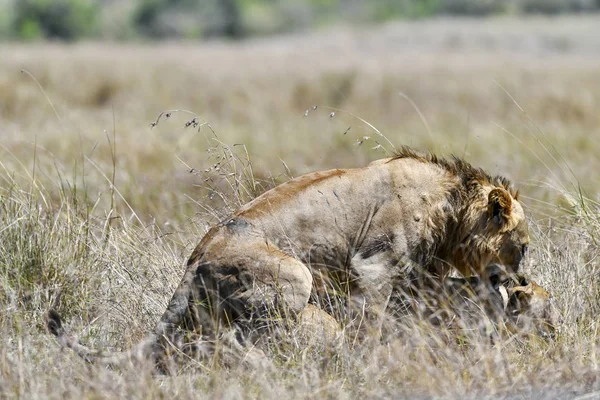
(496, 304)
(361, 231)
(516, 306)
(501, 304)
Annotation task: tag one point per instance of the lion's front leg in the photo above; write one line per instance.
(370, 296)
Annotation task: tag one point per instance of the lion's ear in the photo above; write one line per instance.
(499, 205)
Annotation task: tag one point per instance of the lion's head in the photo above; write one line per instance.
(495, 231)
(521, 305)
(530, 309)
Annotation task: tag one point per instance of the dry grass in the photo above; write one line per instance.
(98, 211)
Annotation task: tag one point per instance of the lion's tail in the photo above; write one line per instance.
(144, 351)
(151, 348)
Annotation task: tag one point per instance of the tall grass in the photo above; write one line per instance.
(98, 211)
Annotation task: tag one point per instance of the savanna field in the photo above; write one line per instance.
(115, 159)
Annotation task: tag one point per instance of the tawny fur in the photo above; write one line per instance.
(516, 305)
(362, 231)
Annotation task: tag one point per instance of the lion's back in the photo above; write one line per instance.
(325, 214)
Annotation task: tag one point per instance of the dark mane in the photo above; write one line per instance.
(469, 174)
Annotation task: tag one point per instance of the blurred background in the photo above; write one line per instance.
(197, 19)
(511, 85)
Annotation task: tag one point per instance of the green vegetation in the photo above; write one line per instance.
(156, 19)
(60, 19)
(99, 211)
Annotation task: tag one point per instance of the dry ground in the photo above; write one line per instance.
(98, 211)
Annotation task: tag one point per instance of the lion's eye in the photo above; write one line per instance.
(523, 249)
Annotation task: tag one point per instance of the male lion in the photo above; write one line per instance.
(362, 230)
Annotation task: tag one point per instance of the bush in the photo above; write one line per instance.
(54, 19)
(188, 18)
(146, 17)
(192, 19)
(471, 7)
(553, 6)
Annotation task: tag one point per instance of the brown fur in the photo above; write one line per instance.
(363, 231)
(515, 306)
(498, 303)
(541, 317)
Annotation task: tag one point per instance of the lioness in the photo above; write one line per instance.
(495, 304)
(518, 304)
(499, 301)
(358, 229)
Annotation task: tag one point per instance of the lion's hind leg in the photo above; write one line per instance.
(266, 285)
(248, 287)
